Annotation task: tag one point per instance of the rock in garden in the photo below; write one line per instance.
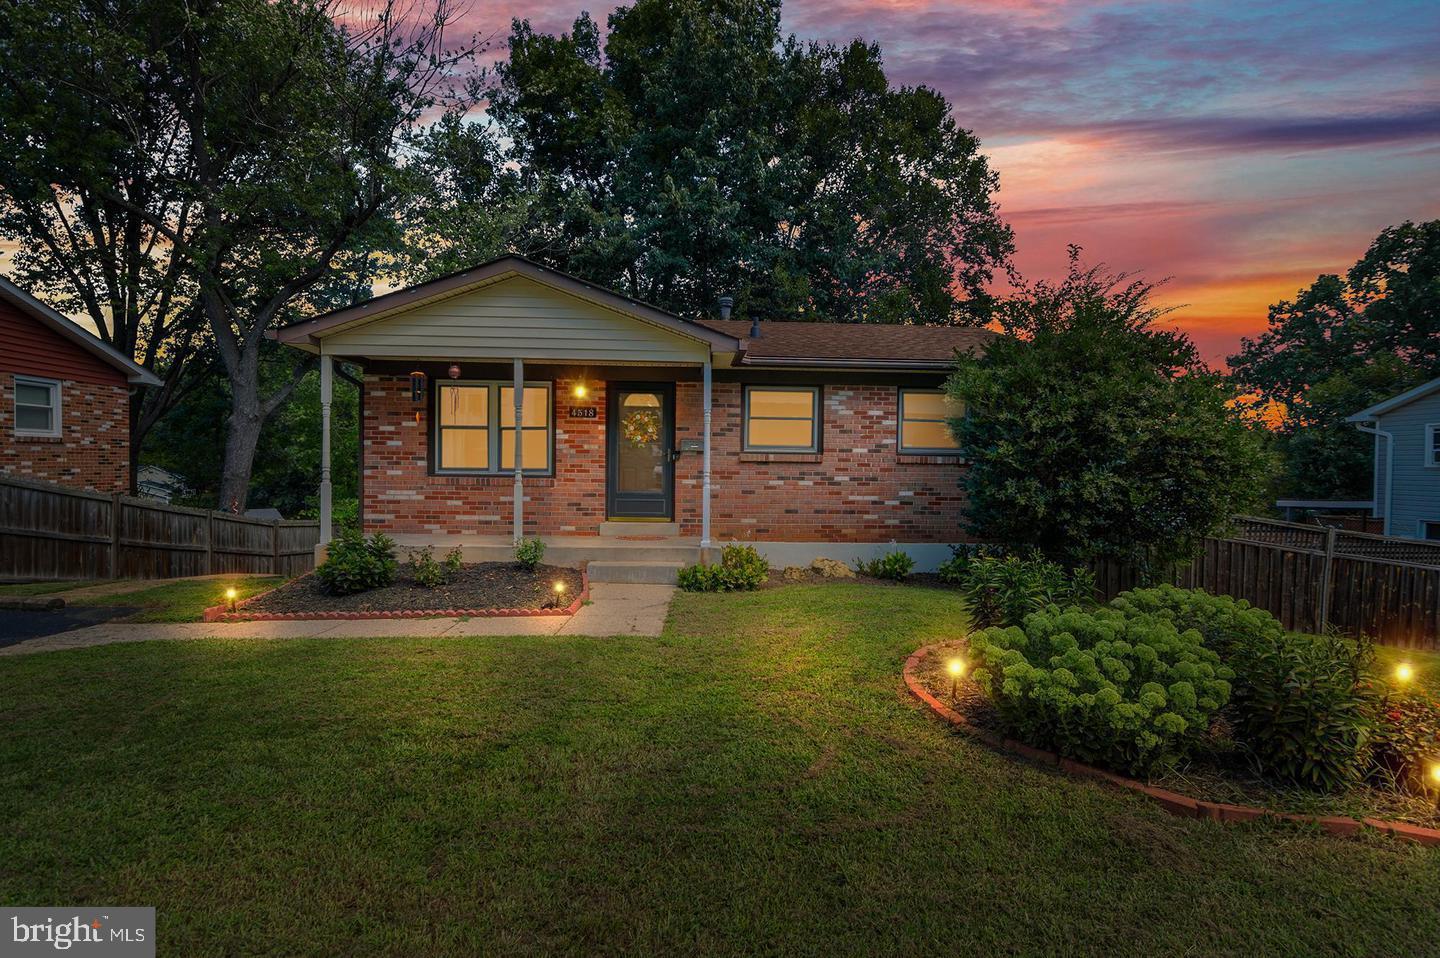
(832, 569)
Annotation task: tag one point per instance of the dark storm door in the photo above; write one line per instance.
(639, 447)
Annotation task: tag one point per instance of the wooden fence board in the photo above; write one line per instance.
(50, 532)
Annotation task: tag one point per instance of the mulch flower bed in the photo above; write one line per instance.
(486, 588)
(1206, 787)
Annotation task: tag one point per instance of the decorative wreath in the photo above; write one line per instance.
(641, 427)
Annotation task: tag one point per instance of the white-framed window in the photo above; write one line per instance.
(475, 428)
(37, 406)
(1432, 444)
(924, 426)
(782, 419)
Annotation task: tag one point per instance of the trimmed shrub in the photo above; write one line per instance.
(354, 563)
(894, 565)
(1131, 693)
(529, 552)
(740, 569)
(1226, 624)
(431, 574)
(1305, 708)
(1003, 590)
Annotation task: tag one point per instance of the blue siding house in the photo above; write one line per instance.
(1407, 460)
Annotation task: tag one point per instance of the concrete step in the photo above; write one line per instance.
(642, 530)
(634, 571)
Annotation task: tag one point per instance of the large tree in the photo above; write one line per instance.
(92, 155)
(1092, 432)
(1344, 343)
(283, 126)
(694, 151)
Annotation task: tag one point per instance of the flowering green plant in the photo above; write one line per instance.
(1131, 693)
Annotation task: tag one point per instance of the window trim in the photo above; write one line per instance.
(56, 429)
(493, 427)
(817, 429)
(900, 447)
(1432, 454)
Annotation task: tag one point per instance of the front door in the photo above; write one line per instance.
(639, 446)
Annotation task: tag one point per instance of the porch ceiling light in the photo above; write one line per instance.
(454, 370)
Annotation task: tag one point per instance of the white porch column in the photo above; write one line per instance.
(519, 445)
(327, 384)
(705, 467)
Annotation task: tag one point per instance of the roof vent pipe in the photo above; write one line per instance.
(727, 303)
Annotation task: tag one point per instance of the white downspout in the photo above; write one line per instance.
(327, 387)
(705, 467)
(1389, 464)
(519, 445)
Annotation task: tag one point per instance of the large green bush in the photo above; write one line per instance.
(1226, 624)
(1002, 590)
(354, 563)
(1305, 708)
(741, 568)
(1130, 693)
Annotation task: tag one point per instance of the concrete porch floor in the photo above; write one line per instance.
(636, 557)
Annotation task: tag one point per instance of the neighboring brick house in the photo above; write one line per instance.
(820, 435)
(64, 399)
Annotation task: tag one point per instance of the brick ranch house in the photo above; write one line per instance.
(65, 406)
(806, 439)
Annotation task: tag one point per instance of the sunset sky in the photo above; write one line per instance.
(1239, 148)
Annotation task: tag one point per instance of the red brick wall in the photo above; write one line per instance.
(93, 451)
(857, 490)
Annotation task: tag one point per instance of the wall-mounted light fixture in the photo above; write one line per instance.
(580, 391)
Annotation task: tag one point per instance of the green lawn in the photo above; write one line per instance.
(755, 781)
(184, 601)
(21, 589)
(1426, 666)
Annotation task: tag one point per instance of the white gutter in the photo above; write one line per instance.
(1389, 438)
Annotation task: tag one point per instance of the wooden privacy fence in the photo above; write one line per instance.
(1304, 577)
(50, 532)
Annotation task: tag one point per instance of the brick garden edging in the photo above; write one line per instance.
(1173, 802)
(221, 613)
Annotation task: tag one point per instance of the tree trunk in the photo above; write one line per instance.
(242, 436)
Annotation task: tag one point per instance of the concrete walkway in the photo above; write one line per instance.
(613, 610)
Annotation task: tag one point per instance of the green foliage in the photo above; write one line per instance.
(1002, 590)
(694, 151)
(354, 563)
(740, 569)
(1344, 343)
(1131, 454)
(529, 553)
(1406, 743)
(1131, 693)
(430, 573)
(894, 565)
(1226, 624)
(1305, 708)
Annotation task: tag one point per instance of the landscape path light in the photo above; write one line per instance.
(230, 596)
(956, 668)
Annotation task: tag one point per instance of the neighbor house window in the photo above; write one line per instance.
(1430, 530)
(475, 427)
(37, 407)
(1432, 444)
(782, 418)
(924, 426)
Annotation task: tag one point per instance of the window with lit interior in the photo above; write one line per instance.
(782, 419)
(924, 426)
(475, 428)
